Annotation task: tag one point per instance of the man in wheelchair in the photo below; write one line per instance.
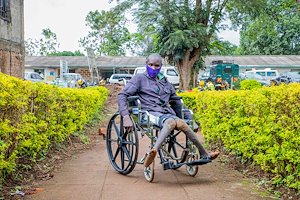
(154, 92)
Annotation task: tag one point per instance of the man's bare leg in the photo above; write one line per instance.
(169, 125)
(190, 134)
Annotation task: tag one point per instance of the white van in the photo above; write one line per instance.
(169, 71)
(119, 78)
(267, 73)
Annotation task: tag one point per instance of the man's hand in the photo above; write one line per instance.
(127, 123)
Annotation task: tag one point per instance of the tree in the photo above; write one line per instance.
(49, 43)
(31, 47)
(44, 46)
(184, 29)
(108, 35)
(275, 30)
(219, 47)
(66, 53)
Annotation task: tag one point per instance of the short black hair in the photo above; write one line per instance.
(155, 56)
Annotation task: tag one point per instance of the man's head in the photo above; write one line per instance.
(153, 64)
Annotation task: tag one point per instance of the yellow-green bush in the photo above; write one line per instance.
(34, 116)
(259, 125)
(249, 84)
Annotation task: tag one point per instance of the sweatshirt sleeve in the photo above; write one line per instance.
(176, 105)
(130, 89)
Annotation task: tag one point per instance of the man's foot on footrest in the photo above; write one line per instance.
(205, 159)
(150, 157)
(201, 161)
(214, 155)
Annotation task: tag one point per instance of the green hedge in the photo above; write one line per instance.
(34, 116)
(261, 126)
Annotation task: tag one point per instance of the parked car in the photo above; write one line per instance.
(294, 76)
(69, 80)
(281, 79)
(119, 78)
(204, 76)
(254, 76)
(169, 72)
(33, 76)
(266, 73)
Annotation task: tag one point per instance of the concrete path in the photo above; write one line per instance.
(89, 176)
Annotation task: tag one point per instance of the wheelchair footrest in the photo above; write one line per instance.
(171, 165)
(199, 162)
(168, 165)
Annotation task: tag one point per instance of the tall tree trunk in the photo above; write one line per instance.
(185, 71)
(195, 76)
(185, 68)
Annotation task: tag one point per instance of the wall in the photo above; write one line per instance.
(12, 41)
(85, 73)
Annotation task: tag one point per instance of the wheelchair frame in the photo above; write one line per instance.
(125, 156)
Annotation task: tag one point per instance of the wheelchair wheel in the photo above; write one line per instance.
(122, 146)
(177, 146)
(192, 170)
(149, 172)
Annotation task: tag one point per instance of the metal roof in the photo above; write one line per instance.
(259, 60)
(123, 61)
(54, 61)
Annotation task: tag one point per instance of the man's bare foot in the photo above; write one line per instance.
(151, 156)
(214, 155)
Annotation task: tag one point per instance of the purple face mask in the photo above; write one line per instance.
(152, 72)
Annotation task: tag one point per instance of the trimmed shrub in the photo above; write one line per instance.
(249, 84)
(261, 126)
(34, 116)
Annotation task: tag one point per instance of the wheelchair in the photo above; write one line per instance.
(123, 146)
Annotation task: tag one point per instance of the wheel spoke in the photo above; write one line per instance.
(113, 140)
(129, 142)
(122, 158)
(117, 130)
(125, 150)
(116, 154)
(171, 144)
(174, 150)
(179, 144)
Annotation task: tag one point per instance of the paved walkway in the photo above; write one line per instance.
(89, 176)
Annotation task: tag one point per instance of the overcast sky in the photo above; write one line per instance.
(66, 18)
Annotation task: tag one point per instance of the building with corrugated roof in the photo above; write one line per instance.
(12, 37)
(107, 65)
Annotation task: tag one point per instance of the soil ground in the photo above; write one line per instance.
(83, 172)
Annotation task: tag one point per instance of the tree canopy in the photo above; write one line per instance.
(108, 33)
(47, 44)
(66, 53)
(274, 29)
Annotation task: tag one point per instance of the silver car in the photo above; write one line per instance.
(295, 76)
(33, 76)
(256, 77)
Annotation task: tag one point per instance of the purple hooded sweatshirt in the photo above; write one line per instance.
(154, 94)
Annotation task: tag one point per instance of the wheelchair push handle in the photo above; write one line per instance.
(132, 98)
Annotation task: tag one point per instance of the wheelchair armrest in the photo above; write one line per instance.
(132, 98)
(174, 98)
(188, 110)
(134, 104)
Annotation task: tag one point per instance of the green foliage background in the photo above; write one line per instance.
(36, 116)
(259, 125)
